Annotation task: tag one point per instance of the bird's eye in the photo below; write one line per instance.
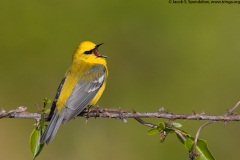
(88, 52)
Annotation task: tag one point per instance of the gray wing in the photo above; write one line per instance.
(85, 90)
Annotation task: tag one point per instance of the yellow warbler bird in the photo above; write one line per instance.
(82, 86)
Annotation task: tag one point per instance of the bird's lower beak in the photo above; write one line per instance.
(96, 52)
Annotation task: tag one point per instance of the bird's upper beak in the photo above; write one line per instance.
(96, 52)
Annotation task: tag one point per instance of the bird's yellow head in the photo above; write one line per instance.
(88, 51)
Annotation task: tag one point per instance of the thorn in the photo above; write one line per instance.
(203, 112)
(36, 105)
(121, 117)
(3, 111)
(124, 120)
(86, 121)
(194, 113)
(22, 109)
(161, 110)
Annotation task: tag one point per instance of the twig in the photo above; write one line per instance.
(231, 111)
(145, 123)
(194, 153)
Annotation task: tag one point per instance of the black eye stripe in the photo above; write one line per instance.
(88, 52)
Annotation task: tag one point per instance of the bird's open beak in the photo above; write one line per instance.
(96, 52)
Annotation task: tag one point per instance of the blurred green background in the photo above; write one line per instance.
(182, 57)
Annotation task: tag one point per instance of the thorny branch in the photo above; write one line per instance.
(21, 113)
(117, 113)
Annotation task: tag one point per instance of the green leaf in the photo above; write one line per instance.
(176, 125)
(153, 131)
(161, 126)
(201, 148)
(47, 101)
(35, 145)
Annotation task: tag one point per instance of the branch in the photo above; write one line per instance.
(162, 128)
(20, 112)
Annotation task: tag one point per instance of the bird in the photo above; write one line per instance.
(81, 87)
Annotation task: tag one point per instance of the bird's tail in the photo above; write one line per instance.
(52, 128)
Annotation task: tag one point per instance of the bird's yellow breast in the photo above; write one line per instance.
(73, 75)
